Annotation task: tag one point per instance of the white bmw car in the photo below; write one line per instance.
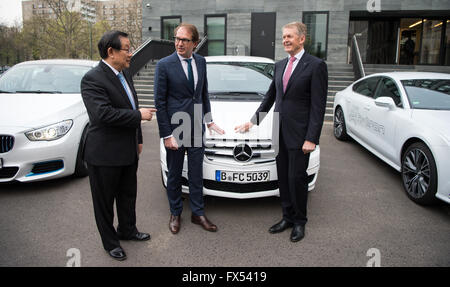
(404, 119)
(42, 120)
(239, 165)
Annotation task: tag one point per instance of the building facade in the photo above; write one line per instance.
(87, 8)
(413, 32)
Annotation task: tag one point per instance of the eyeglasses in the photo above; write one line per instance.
(129, 51)
(185, 41)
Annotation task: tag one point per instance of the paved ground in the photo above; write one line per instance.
(358, 204)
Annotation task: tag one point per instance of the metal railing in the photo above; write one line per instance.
(158, 49)
(201, 48)
(358, 67)
(150, 50)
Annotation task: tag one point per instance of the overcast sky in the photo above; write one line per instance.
(10, 11)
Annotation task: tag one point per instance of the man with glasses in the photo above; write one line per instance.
(181, 86)
(113, 142)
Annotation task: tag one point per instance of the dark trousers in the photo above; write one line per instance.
(109, 184)
(175, 160)
(293, 182)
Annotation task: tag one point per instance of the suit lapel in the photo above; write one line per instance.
(200, 72)
(298, 70)
(180, 71)
(115, 80)
(279, 79)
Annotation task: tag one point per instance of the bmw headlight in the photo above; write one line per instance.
(51, 132)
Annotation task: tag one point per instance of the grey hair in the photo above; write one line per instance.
(299, 26)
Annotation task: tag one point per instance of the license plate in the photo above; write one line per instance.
(242, 176)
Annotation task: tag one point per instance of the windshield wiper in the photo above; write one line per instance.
(5, 92)
(40, 92)
(236, 93)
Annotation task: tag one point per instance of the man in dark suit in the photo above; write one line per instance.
(299, 91)
(113, 142)
(181, 88)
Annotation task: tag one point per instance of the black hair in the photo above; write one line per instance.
(110, 39)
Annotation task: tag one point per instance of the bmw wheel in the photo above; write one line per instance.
(340, 131)
(419, 174)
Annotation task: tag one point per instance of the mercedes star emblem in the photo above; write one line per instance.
(242, 152)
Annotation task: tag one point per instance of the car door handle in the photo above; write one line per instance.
(367, 108)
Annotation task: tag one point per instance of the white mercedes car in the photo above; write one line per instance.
(239, 165)
(42, 120)
(404, 119)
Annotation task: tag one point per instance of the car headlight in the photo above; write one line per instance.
(51, 132)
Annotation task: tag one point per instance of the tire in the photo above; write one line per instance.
(81, 165)
(339, 128)
(419, 174)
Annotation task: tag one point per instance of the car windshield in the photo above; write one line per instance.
(238, 81)
(43, 78)
(429, 94)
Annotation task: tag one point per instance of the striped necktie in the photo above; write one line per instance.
(124, 84)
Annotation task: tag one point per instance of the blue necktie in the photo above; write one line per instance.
(130, 97)
(190, 74)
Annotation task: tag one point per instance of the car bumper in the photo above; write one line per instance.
(241, 190)
(39, 160)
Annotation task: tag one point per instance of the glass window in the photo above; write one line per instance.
(388, 88)
(430, 94)
(366, 87)
(216, 32)
(236, 81)
(316, 39)
(168, 25)
(410, 33)
(431, 41)
(43, 78)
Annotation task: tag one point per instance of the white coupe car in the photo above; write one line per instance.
(239, 165)
(404, 119)
(42, 120)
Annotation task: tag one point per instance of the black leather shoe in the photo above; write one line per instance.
(298, 232)
(139, 236)
(118, 253)
(280, 226)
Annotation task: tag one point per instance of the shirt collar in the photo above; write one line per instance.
(183, 58)
(299, 55)
(114, 70)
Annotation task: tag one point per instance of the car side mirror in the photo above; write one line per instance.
(385, 102)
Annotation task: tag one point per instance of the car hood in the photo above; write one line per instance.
(434, 119)
(228, 114)
(24, 111)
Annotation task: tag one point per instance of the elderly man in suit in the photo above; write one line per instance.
(114, 142)
(180, 86)
(299, 91)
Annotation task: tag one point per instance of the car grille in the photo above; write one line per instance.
(50, 166)
(8, 172)
(6, 143)
(222, 151)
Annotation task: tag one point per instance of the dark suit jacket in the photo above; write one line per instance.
(302, 107)
(173, 93)
(114, 127)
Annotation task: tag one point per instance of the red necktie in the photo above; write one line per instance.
(288, 73)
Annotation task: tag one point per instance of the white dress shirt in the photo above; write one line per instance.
(184, 64)
(298, 56)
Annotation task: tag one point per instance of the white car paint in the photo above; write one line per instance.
(227, 115)
(23, 112)
(386, 131)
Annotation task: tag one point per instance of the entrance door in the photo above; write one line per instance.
(263, 35)
(383, 41)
